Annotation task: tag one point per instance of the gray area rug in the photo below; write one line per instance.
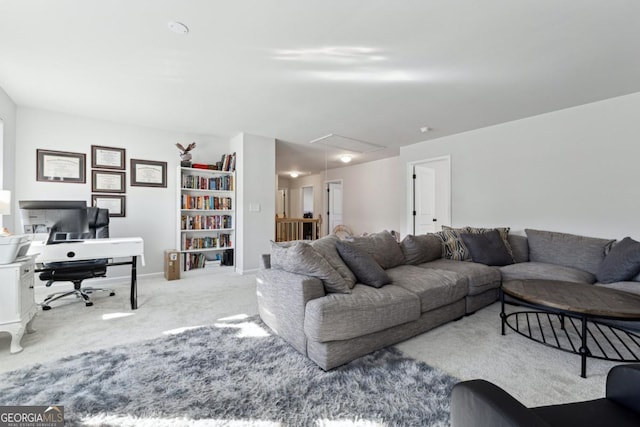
(232, 373)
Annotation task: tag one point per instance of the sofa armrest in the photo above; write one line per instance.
(479, 403)
(623, 386)
(282, 299)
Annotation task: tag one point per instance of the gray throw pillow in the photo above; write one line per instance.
(326, 246)
(363, 265)
(301, 258)
(383, 247)
(487, 248)
(420, 249)
(622, 263)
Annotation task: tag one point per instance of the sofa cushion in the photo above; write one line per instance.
(421, 248)
(436, 288)
(365, 268)
(570, 250)
(326, 246)
(383, 247)
(301, 258)
(487, 248)
(621, 263)
(480, 277)
(453, 247)
(544, 271)
(364, 311)
(519, 247)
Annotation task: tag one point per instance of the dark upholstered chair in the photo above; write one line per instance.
(77, 271)
(479, 403)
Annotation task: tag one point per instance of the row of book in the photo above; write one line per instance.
(192, 261)
(195, 182)
(206, 222)
(206, 202)
(208, 242)
(227, 164)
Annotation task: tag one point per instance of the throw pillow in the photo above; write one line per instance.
(326, 246)
(420, 249)
(383, 247)
(301, 258)
(504, 235)
(622, 263)
(452, 244)
(363, 265)
(487, 248)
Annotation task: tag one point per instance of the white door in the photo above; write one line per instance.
(430, 195)
(335, 205)
(425, 200)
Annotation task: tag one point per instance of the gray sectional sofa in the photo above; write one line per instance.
(335, 301)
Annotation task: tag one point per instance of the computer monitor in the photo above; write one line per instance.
(54, 220)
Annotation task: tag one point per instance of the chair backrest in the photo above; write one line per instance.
(98, 222)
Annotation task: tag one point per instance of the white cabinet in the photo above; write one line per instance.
(17, 301)
(206, 216)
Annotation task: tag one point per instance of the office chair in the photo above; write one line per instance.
(77, 271)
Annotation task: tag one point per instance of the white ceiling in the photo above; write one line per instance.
(297, 70)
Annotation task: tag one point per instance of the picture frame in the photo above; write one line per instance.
(107, 181)
(115, 204)
(108, 157)
(148, 173)
(60, 166)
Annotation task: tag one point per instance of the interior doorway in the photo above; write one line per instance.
(429, 195)
(334, 204)
(307, 202)
(282, 202)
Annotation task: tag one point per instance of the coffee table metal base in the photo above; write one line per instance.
(575, 334)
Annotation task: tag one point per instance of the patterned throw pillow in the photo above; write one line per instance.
(452, 245)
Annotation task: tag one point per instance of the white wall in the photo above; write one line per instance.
(574, 170)
(255, 187)
(150, 212)
(372, 195)
(7, 148)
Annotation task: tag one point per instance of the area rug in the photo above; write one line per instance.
(234, 373)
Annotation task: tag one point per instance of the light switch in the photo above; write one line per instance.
(254, 207)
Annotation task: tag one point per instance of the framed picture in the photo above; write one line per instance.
(107, 181)
(60, 166)
(147, 173)
(107, 157)
(115, 204)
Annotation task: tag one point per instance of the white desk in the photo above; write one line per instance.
(125, 247)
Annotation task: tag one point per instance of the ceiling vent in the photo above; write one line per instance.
(348, 144)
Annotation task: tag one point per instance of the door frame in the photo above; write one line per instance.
(326, 200)
(411, 189)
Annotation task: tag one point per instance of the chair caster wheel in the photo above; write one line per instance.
(46, 307)
(88, 304)
(112, 294)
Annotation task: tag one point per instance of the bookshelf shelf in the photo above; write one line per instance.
(206, 216)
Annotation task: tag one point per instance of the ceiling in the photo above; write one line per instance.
(375, 71)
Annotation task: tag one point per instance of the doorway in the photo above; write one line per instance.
(334, 204)
(429, 195)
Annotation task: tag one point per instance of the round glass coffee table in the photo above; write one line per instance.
(573, 317)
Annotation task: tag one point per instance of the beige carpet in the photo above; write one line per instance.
(469, 348)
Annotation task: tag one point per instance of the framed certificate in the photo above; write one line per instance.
(60, 166)
(148, 173)
(107, 157)
(107, 181)
(115, 204)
